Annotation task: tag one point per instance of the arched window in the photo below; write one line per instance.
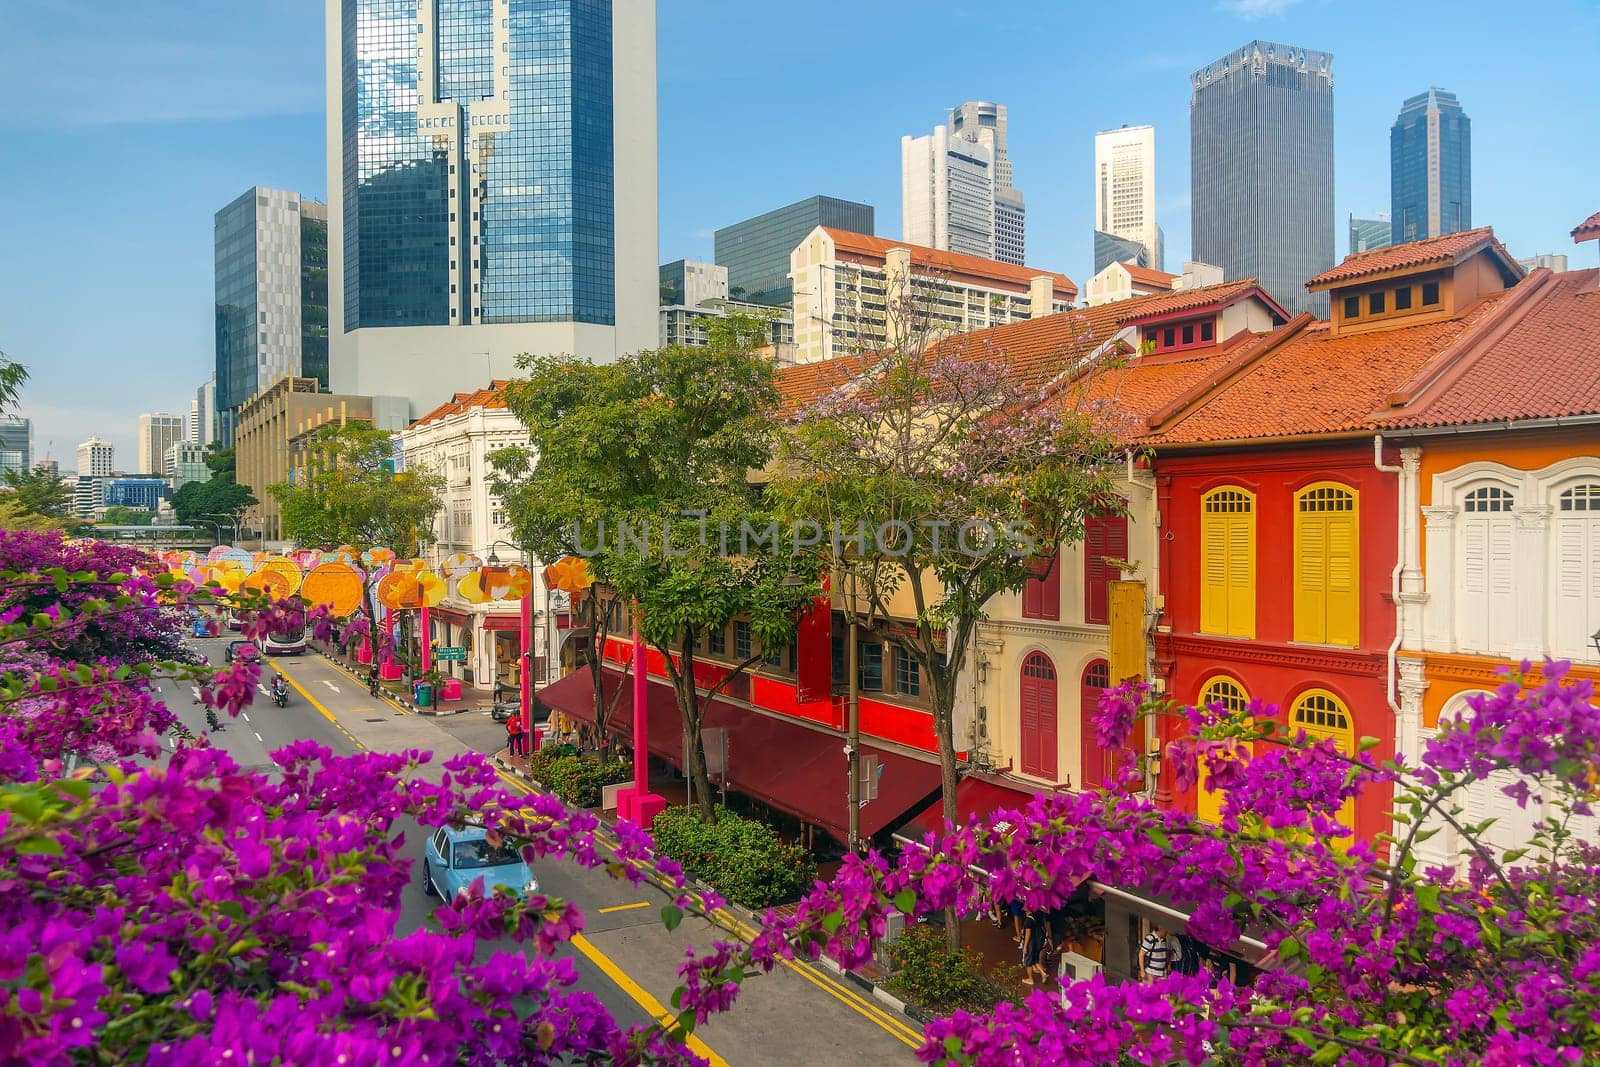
(1486, 612)
(1322, 715)
(1235, 703)
(1039, 716)
(1327, 604)
(1228, 563)
(1097, 763)
(1577, 570)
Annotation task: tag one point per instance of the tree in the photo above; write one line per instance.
(198, 503)
(118, 515)
(13, 516)
(661, 445)
(222, 462)
(12, 377)
(40, 491)
(945, 476)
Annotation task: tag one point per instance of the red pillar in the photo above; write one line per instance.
(427, 641)
(525, 629)
(637, 802)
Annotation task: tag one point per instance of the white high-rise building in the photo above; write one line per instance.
(491, 189)
(1125, 195)
(984, 122)
(96, 458)
(203, 413)
(157, 434)
(947, 193)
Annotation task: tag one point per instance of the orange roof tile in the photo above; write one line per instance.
(1299, 381)
(1223, 293)
(1587, 230)
(1540, 360)
(1150, 279)
(1449, 249)
(802, 383)
(491, 397)
(955, 262)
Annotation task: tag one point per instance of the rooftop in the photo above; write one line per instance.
(862, 244)
(1150, 279)
(1587, 230)
(489, 397)
(1442, 251)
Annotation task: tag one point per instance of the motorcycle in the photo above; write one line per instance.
(280, 697)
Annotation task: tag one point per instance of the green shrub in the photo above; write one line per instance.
(576, 779)
(740, 858)
(940, 981)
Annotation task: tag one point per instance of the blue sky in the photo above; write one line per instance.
(128, 125)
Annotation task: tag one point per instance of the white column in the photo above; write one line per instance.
(1412, 594)
(1438, 618)
(1409, 739)
(1533, 585)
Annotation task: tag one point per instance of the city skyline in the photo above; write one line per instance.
(214, 117)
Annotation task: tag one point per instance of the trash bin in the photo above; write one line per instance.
(424, 695)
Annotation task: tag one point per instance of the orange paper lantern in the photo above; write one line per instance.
(337, 586)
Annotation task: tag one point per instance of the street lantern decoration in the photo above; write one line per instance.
(286, 569)
(226, 574)
(270, 582)
(490, 583)
(377, 556)
(305, 559)
(459, 565)
(408, 590)
(571, 575)
(336, 586)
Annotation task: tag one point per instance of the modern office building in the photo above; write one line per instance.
(88, 494)
(984, 122)
(686, 282)
(185, 462)
(757, 250)
(144, 494)
(1430, 168)
(203, 413)
(1367, 234)
(683, 324)
(1125, 198)
(846, 283)
(16, 444)
(492, 188)
(1261, 168)
(947, 193)
(96, 458)
(271, 272)
(1555, 263)
(157, 434)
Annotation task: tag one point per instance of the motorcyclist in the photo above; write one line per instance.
(280, 691)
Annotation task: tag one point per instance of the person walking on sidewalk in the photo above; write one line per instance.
(1155, 955)
(516, 740)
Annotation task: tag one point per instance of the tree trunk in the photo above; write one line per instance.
(944, 730)
(689, 708)
(596, 666)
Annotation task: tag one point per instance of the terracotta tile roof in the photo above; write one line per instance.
(1224, 293)
(1150, 279)
(1448, 249)
(954, 262)
(1541, 360)
(802, 383)
(1299, 381)
(1587, 230)
(1126, 397)
(491, 397)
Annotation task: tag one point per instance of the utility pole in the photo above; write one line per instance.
(852, 744)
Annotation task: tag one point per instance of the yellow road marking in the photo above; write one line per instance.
(314, 702)
(623, 907)
(649, 1003)
(846, 996)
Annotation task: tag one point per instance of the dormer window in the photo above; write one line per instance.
(1375, 303)
(1181, 335)
(1430, 294)
(1402, 298)
(1352, 307)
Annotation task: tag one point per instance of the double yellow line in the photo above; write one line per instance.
(868, 1009)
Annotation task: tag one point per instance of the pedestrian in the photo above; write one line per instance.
(1155, 955)
(1034, 934)
(514, 736)
(1015, 908)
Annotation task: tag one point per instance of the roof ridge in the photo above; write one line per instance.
(1468, 348)
(1191, 398)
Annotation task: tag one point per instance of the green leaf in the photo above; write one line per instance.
(671, 916)
(905, 901)
(685, 1021)
(832, 921)
(39, 846)
(1427, 897)
(1328, 1053)
(1366, 744)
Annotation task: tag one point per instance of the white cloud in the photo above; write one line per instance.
(1256, 9)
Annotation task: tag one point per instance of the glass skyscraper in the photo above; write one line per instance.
(478, 160)
(756, 251)
(1430, 168)
(1261, 168)
(1367, 234)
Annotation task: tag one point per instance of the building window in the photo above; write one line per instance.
(741, 640)
(1188, 334)
(1104, 536)
(1577, 589)
(837, 650)
(1038, 718)
(1352, 307)
(871, 667)
(1430, 294)
(1041, 597)
(1230, 700)
(1486, 611)
(1206, 331)
(717, 641)
(1099, 765)
(1375, 303)
(1228, 563)
(1327, 606)
(907, 674)
(1168, 337)
(1402, 298)
(1323, 716)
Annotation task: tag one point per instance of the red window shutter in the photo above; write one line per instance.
(1103, 536)
(1050, 596)
(1032, 592)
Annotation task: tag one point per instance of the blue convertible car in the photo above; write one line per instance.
(453, 859)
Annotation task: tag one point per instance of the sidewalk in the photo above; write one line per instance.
(399, 691)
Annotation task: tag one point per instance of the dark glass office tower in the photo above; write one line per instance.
(1430, 168)
(1261, 168)
(756, 251)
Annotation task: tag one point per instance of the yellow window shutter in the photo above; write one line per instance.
(1344, 587)
(1310, 578)
(1214, 574)
(1242, 575)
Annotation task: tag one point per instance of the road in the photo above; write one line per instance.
(625, 957)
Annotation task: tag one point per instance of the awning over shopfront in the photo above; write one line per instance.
(976, 795)
(791, 767)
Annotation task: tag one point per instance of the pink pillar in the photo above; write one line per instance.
(525, 628)
(388, 629)
(641, 717)
(427, 641)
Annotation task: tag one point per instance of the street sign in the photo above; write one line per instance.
(452, 653)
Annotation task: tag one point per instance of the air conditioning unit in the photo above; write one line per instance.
(1076, 968)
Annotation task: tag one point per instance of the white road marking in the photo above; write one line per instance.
(172, 744)
(245, 715)
(196, 691)
(261, 689)
(330, 685)
(258, 738)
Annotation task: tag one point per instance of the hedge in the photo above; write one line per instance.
(940, 981)
(575, 779)
(742, 859)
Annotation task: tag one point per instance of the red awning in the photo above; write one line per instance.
(789, 766)
(976, 795)
(502, 623)
(456, 618)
